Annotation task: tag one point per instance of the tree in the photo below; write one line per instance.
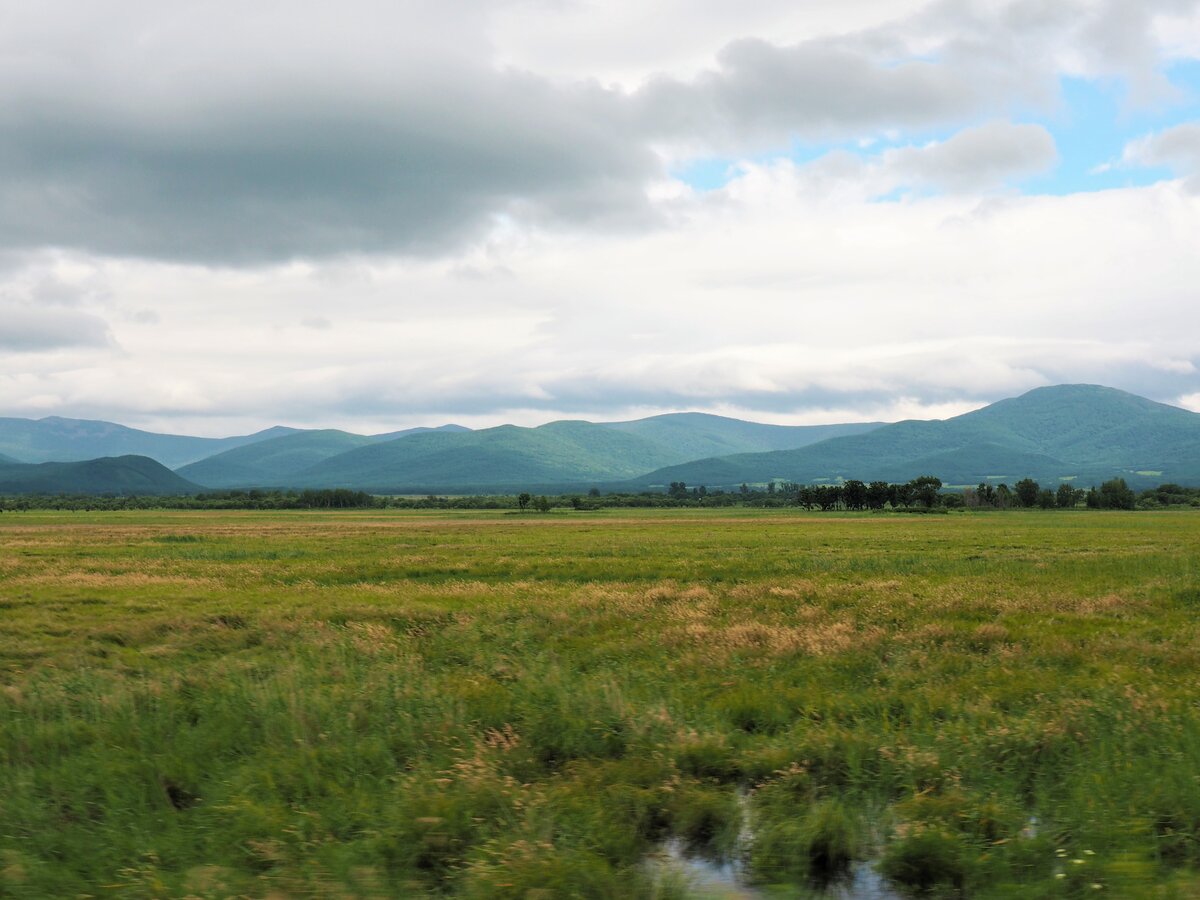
(1116, 494)
(678, 490)
(1003, 498)
(925, 490)
(1046, 499)
(543, 504)
(828, 496)
(523, 501)
(1027, 491)
(854, 493)
(1066, 497)
(878, 493)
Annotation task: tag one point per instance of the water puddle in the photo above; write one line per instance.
(727, 879)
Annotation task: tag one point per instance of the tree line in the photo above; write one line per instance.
(1028, 494)
(920, 494)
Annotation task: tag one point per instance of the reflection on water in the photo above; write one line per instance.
(727, 879)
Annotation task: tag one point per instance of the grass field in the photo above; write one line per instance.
(398, 704)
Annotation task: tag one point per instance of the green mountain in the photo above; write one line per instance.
(1081, 432)
(6, 459)
(109, 475)
(392, 435)
(1084, 432)
(55, 439)
(559, 455)
(503, 458)
(699, 435)
(275, 462)
(270, 462)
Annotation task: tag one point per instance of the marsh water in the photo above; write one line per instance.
(727, 879)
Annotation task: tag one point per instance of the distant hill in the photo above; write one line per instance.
(1085, 432)
(6, 459)
(406, 432)
(558, 455)
(699, 435)
(275, 462)
(110, 475)
(502, 458)
(449, 457)
(55, 439)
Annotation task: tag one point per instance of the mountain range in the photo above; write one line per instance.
(1084, 433)
(55, 439)
(1080, 433)
(279, 460)
(556, 456)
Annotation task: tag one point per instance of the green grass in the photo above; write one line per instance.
(379, 704)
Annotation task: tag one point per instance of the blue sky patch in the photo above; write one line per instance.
(1091, 129)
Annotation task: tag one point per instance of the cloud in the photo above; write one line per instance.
(31, 330)
(762, 93)
(225, 136)
(290, 131)
(477, 195)
(976, 158)
(309, 175)
(1177, 148)
(777, 300)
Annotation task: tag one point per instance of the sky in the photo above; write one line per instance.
(370, 215)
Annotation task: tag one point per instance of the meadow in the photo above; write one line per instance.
(389, 703)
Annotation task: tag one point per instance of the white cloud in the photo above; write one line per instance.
(625, 42)
(32, 330)
(782, 298)
(975, 158)
(224, 135)
(1177, 148)
(397, 213)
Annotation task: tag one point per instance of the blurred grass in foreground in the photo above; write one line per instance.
(390, 704)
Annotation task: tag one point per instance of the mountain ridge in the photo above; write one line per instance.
(559, 454)
(1077, 433)
(273, 462)
(1059, 432)
(126, 475)
(60, 439)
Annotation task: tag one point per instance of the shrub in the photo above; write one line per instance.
(925, 858)
(816, 845)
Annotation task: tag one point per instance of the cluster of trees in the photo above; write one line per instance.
(923, 492)
(1169, 495)
(541, 503)
(1028, 494)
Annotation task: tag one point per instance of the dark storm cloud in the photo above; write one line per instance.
(299, 175)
